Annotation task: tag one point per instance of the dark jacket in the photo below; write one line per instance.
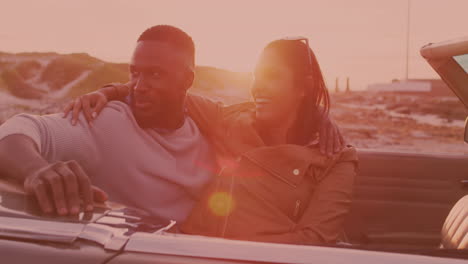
(285, 193)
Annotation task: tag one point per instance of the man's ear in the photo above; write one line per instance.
(189, 77)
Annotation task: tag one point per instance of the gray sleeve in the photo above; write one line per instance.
(22, 124)
(55, 137)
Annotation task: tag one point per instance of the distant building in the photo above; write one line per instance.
(431, 87)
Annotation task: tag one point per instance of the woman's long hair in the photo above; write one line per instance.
(315, 105)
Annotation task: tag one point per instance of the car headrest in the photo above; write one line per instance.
(455, 229)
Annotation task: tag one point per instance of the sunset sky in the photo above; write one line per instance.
(362, 39)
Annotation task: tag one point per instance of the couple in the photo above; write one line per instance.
(249, 171)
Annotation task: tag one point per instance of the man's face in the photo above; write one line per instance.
(159, 78)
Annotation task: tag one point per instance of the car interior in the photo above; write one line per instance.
(411, 202)
(405, 203)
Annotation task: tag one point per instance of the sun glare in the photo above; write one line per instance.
(221, 203)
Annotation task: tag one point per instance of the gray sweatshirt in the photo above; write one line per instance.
(162, 173)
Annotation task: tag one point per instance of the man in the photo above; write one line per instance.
(141, 156)
(150, 155)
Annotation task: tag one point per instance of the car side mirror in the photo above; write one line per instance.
(466, 130)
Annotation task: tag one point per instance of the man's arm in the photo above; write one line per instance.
(57, 185)
(19, 157)
(207, 114)
(37, 152)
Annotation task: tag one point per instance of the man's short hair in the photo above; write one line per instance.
(171, 35)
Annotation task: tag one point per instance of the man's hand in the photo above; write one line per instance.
(91, 104)
(331, 140)
(61, 186)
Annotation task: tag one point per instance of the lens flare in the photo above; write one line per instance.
(221, 203)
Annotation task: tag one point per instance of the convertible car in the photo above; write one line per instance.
(408, 208)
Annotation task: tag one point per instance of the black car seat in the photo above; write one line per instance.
(455, 228)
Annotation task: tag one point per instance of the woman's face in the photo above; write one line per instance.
(276, 96)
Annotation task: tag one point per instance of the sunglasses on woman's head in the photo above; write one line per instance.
(306, 41)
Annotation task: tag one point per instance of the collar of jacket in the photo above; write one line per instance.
(288, 162)
(292, 162)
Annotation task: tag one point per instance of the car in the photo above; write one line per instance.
(405, 210)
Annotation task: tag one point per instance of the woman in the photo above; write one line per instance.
(274, 185)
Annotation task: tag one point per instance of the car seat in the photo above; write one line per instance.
(455, 229)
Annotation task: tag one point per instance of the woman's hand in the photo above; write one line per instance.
(91, 104)
(330, 139)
